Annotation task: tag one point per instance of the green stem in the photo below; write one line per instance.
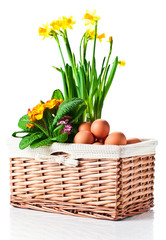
(105, 70)
(84, 49)
(68, 48)
(102, 86)
(93, 57)
(80, 48)
(63, 60)
(57, 40)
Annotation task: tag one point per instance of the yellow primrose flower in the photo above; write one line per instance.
(30, 115)
(90, 17)
(101, 36)
(30, 125)
(53, 103)
(122, 63)
(37, 112)
(45, 32)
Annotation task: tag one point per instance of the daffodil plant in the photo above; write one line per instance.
(53, 121)
(80, 78)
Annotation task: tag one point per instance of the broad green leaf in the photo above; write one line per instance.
(57, 130)
(43, 129)
(66, 107)
(29, 139)
(57, 94)
(23, 121)
(79, 113)
(41, 142)
(48, 119)
(23, 132)
(61, 138)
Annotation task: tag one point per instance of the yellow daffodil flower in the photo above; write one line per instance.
(101, 36)
(68, 22)
(122, 63)
(56, 25)
(44, 31)
(90, 34)
(63, 23)
(90, 17)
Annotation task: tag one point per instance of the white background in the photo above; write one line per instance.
(135, 104)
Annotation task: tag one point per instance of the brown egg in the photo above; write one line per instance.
(100, 128)
(84, 137)
(97, 143)
(133, 140)
(116, 138)
(85, 126)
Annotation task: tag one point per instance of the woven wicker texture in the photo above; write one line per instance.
(100, 188)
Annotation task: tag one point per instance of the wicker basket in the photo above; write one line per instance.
(116, 184)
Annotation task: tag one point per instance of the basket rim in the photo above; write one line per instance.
(145, 147)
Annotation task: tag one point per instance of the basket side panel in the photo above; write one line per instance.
(136, 185)
(90, 190)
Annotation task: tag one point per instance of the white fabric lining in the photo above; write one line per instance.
(89, 151)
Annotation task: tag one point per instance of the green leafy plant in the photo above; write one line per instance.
(54, 121)
(81, 78)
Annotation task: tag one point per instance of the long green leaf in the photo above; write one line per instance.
(41, 142)
(102, 66)
(58, 69)
(82, 82)
(94, 83)
(64, 84)
(61, 138)
(111, 76)
(29, 139)
(72, 92)
(44, 130)
(22, 132)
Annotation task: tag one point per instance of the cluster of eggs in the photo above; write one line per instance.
(98, 133)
